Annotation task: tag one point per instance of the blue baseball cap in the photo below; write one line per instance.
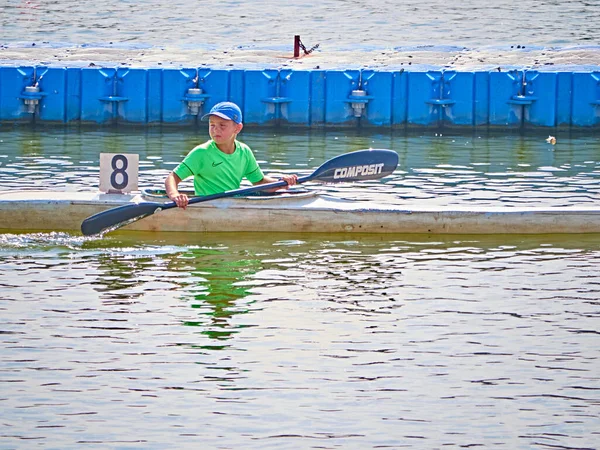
(225, 110)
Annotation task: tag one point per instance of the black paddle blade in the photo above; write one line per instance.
(357, 166)
(118, 217)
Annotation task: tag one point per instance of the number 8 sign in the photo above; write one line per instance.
(118, 172)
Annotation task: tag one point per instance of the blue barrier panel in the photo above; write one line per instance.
(97, 87)
(13, 81)
(586, 99)
(215, 87)
(317, 98)
(175, 85)
(540, 87)
(52, 83)
(422, 87)
(132, 86)
(481, 98)
(505, 88)
(378, 89)
(261, 95)
(295, 96)
(237, 85)
(313, 98)
(338, 89)
(564, 98)
(73, 95)
(155, 96)
(399, 108)
(457, 98)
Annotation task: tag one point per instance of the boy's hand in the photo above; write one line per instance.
(182, 200)
(290, 179)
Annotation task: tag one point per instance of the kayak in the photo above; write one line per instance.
(289, 211)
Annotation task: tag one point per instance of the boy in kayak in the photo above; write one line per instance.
(221, 163)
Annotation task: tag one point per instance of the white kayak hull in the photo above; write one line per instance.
(309, 212)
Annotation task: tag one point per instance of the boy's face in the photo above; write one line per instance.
(223, 131)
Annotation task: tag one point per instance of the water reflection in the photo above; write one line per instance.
(435, 168)
(265, 332)
(220, 295)
(211, 280)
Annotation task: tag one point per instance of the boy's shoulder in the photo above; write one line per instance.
(204, 146)
(201, 149)
(242, 146)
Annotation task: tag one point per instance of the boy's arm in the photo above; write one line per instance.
(289, 179)
(171, 183)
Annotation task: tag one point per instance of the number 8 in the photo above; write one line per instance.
(117, 171)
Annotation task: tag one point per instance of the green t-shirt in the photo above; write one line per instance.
(215, 171)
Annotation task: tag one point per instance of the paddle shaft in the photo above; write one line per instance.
(241, 191)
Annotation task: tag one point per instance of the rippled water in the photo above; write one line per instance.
(334, 24)
(292, 341)
(258, 341)
(435, 169)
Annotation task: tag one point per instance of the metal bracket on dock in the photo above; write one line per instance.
(441, 102)
(195, 99)
(522, 99)
(358, 99)
(31, 97)
(442, 86)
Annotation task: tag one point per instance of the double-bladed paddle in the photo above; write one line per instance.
(355, 166)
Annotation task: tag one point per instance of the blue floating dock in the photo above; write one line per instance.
(313, 98)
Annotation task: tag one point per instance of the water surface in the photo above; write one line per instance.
(334, 24)
(239, 340)
(293, 341)
(435, 168)
(320, 341)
